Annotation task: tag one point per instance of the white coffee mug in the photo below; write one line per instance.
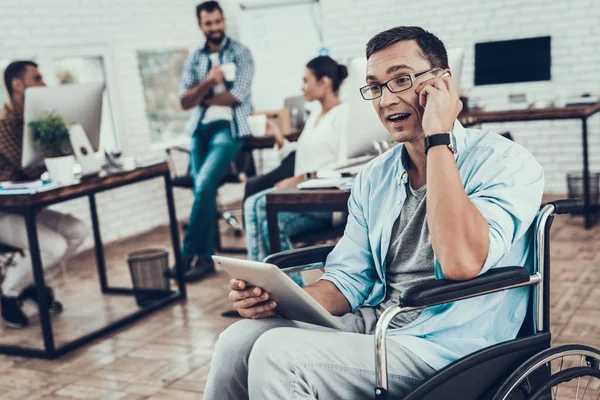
(258, 124)
(228, 70)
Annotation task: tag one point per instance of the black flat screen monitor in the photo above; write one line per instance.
(511, 61)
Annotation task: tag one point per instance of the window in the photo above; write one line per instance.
(86, 65)
(161, 74)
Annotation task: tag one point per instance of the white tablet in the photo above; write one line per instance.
(292, 301)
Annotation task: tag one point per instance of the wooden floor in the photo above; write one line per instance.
(166, 355)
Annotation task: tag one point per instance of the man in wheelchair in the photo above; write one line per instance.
(448, 202)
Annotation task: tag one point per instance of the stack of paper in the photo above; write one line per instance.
(336, 183)
(25, 187)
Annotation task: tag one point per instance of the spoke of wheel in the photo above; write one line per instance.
(586, 387)
(529, 385)
(578, 379)
(562, 359)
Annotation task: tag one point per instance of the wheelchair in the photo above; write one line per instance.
(523, 368)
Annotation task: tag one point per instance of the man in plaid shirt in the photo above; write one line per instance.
(59, 234)
(219, 122)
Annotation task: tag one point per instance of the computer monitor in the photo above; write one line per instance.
(455, 62)
(75, 103)
(364, 127)
(513, 61)
(297, 107)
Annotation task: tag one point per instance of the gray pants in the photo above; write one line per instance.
(280, 359)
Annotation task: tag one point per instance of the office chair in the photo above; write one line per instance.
(243, 165)
(523, 368)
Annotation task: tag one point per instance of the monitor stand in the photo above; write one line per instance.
(84, 153)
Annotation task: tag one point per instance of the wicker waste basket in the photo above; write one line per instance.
(149, 275)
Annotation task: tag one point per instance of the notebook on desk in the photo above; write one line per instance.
(28, 187)
(333, 183)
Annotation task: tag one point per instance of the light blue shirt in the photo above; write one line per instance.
(505, 183)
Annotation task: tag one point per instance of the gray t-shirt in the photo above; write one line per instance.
(409, 258)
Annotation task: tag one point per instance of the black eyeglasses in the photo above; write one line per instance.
(395, 85)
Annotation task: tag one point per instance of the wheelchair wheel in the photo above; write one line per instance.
(566, 372)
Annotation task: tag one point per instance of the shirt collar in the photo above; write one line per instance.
(460, 136)
(224, 44)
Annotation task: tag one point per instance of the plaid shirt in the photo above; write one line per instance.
(11, 145)
(195, 70)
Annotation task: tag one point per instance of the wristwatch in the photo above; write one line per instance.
(440, 139)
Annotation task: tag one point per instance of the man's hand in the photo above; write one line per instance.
(440, 100)
(215, 75)
(250, 301)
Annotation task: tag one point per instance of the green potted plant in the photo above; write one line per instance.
(51, 135)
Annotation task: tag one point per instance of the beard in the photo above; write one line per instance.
(215, 37)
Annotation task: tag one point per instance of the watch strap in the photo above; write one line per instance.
(438, 139)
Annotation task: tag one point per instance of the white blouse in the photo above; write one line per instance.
(319, 145)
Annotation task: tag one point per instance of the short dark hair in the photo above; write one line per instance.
(208, 6)
(326, 66)
(15, 69)
(432, 48)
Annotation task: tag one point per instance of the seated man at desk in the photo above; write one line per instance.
(448, 202)
(317, 147)
(59, 234)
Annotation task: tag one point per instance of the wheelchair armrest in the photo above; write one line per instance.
(438, 291)
(303, 256)
(567, 206)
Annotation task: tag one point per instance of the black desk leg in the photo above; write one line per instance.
(587, 209)
(38, 277)
(273, 228)
(175, 235)
(99, 247)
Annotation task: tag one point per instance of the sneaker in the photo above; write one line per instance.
(12, 315)
(30, 293)
(193, 272)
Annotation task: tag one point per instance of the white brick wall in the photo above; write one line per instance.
(28, 26)
(575, 29)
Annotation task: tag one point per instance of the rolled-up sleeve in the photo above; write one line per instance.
(350, 266)
(189, 76)
(508, 196)
(244, 74)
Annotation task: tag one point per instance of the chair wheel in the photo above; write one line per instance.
(549, 374)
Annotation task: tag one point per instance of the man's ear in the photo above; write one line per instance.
(17, 85)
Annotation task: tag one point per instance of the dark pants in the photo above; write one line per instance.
(259, 183)
(213, 150)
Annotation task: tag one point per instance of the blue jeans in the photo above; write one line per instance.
(213, 150)
(290, 223)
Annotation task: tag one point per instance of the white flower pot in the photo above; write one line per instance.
(61, 169)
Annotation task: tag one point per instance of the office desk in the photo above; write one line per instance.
(591, 212)
(28, 205)
(297, 200)
(266, 142)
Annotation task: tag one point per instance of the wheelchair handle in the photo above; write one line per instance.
(570, 206)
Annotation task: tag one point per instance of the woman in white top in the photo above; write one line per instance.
(317, 147)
